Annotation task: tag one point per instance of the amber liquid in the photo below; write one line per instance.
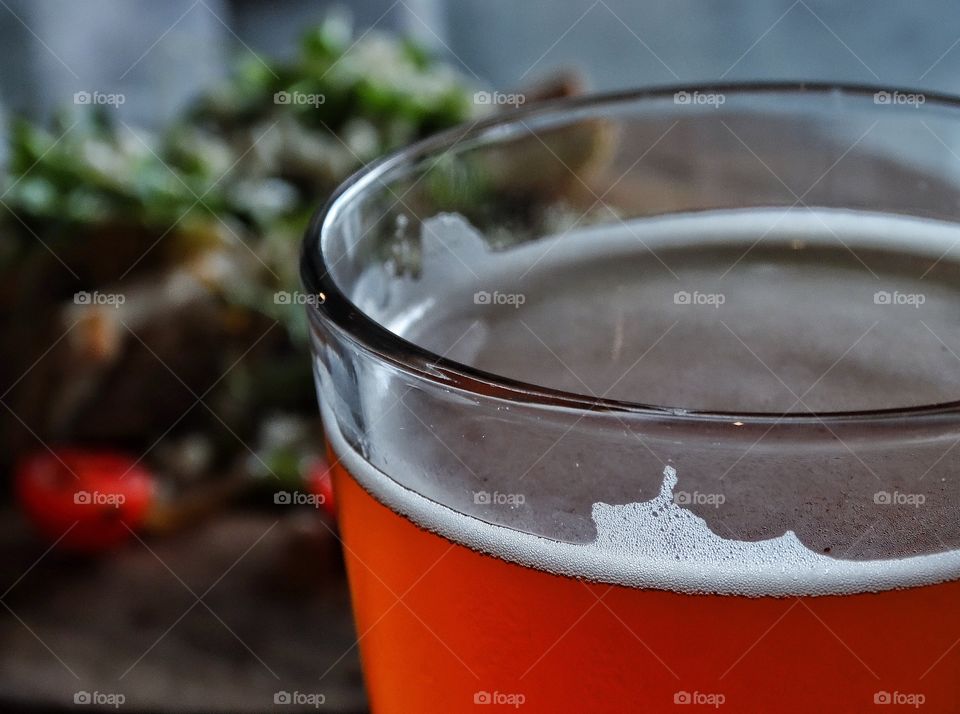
(441, 626)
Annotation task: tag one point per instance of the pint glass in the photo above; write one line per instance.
(651, 402)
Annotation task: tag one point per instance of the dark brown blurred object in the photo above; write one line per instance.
(122, 373)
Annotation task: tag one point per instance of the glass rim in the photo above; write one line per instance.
(368, 334)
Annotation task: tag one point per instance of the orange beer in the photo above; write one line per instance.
(442, 626)
(618, 425)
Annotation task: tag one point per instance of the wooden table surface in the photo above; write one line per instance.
(218, 618)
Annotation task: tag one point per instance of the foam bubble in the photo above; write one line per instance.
(660, 529)
(674, 550)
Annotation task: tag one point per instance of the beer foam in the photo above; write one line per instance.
(660, 529)
(655, 544)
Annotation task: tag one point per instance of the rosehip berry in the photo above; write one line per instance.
(85, 498)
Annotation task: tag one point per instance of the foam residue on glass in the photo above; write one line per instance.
(635, 549)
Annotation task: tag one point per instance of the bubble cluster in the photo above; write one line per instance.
(673, 551)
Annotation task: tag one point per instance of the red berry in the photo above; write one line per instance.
(91, 496)
(320, 483)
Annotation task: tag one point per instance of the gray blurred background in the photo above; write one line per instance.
(159, 54)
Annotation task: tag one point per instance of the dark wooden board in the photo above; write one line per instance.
(274, 618)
